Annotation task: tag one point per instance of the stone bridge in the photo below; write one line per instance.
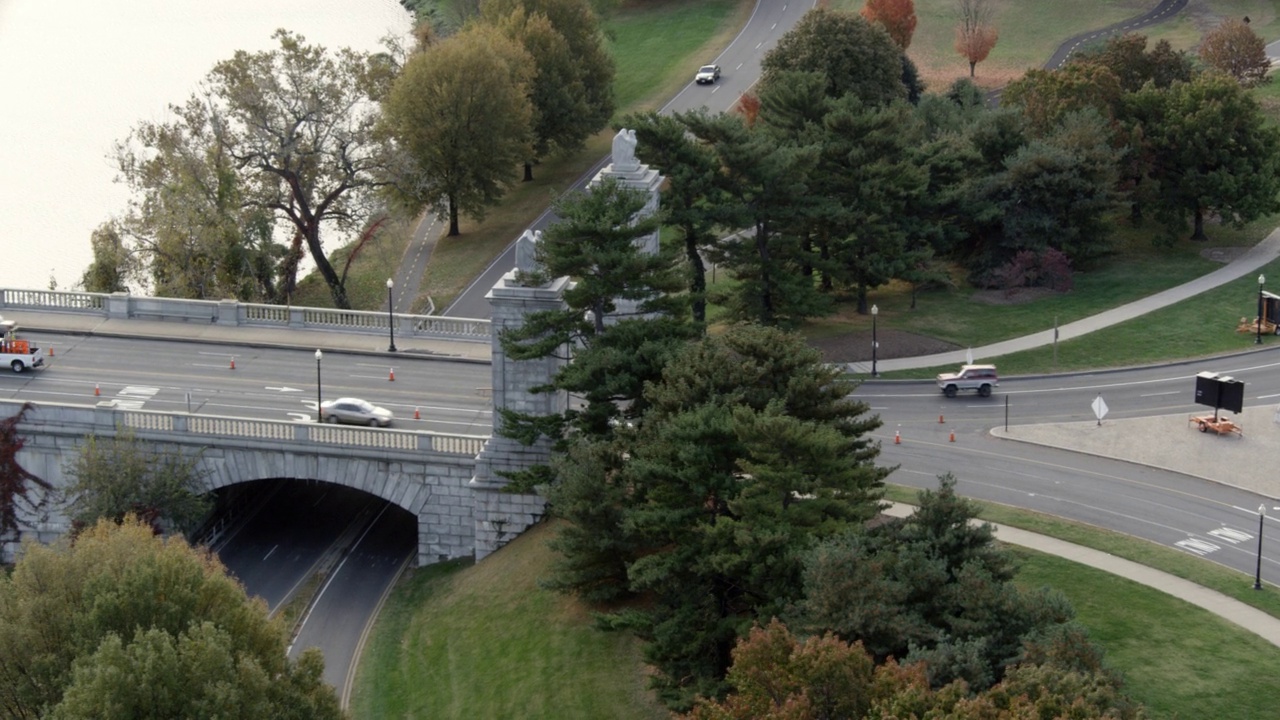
(453, 484)
(427, 474)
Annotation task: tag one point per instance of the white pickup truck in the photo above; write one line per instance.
(17, 354)
(970, 377)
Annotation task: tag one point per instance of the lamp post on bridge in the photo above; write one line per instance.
(875, 345)
(319, 399)
(391, 320)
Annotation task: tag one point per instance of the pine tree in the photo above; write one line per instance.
(751, 450)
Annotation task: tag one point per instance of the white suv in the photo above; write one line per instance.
(970, 377)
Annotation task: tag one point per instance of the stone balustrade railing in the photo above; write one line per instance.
(232, 312)
(199, 429)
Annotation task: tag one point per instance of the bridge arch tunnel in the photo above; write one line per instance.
(431, 489)
(304, 527)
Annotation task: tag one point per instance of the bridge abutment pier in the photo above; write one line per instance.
(501, 515)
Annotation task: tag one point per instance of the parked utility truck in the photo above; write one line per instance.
(17, 353)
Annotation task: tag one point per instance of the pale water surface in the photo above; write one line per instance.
(76, 75)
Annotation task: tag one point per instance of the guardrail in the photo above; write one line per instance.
(192, 429)
(235, 313)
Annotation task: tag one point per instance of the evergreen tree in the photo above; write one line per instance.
(766, 190)
(1127, 57)
(929, 587)
(594, 242)
(750, 450)
(871, 175)
(853, 56)
(1059, 192)
(688, 202)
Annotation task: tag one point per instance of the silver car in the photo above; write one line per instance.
(354, 411)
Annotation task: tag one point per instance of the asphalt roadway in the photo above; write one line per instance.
(1159, 441)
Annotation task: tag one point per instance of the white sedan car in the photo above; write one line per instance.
(354, 411)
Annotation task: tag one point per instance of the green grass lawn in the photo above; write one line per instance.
(458, 640)
(1177, 659)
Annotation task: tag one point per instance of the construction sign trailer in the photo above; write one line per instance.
(18, 354)
(1220, 392)
(1268, 316)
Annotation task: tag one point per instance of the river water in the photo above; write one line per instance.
(76, 75)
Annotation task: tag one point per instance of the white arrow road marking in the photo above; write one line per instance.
(283, 389)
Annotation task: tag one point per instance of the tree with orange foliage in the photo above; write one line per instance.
(897, 17)
(779, 676)
(748, 106)
(1235, 49)
(975, 33)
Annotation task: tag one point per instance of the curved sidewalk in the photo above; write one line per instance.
(1250, 618)
(1257, 256)
(1131, 440)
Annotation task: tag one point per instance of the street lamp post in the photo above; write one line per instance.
(391, 320)
(318, 392)
(875, 345)
(1261, 308)
(1257, 573)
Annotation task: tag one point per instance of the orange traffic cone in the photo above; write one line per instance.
(392, 375)
(940, 420)
(416, 414)
(897, 438)
(233, 363)
(953, 436)
(50, 351)
(96, 390)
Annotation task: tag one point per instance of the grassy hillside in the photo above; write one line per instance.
(484, 641)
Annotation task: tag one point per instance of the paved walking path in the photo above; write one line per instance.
(1246, 264)
(1246, 616)
(1167, 442)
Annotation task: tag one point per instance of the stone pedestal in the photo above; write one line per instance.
(500, 516)
(638, 176)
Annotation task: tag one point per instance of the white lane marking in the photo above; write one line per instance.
(1235, 537)
(347, 556)
(1199, 547)
(283, 389)
(1171, 392)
